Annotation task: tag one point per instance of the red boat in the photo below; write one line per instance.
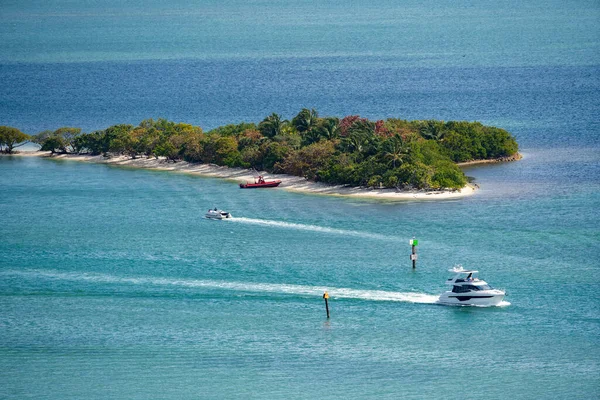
(260, 183)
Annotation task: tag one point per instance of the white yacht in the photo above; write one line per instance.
(217, 214)
(469, 290)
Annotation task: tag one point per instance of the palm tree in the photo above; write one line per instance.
(271, 126)
(395, 150)
(357, 141)
(330, 128)
(433, 130)
(311, 136)
(305, 120)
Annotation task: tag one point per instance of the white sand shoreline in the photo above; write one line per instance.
(288, 182)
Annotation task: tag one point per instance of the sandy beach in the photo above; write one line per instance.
(288, 182)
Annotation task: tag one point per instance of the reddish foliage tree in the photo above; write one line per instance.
(347, 122)
(381, 130)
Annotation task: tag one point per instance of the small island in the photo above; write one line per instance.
(351, 152)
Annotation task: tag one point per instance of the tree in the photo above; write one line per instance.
(309, 160)
(347, 122)
(458, 147)
(447, 175)
(329, 128)
(50, 141)
(11, 138)
(357, 141)
(53, 144)
(233, 129)
(227, 152)
(381, 129)
(305, 120)
(69, 136)
(89, 143)
(498, 142)
(166, 149)
(311, 136)
(273, 153)
(432, 130)
(395, 150)
(117, 139)
(251, 157)
(271, 126)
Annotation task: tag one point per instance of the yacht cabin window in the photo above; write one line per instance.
(469, 288)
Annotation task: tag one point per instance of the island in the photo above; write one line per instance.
(351, 154)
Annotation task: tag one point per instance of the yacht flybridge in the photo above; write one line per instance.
(469, 290)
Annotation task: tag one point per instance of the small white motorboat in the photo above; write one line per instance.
(468, 290)
(217, 214)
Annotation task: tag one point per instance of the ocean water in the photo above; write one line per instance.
(113, 285)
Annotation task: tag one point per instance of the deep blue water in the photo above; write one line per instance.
(113, 285)
(542, 106)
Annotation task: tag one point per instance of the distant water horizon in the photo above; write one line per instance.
(484, 33)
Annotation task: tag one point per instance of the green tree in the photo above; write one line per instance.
(233, 129)
(54, 144)
(447, 175)
(227, 152)
(272, 125)
(305, 120)
(89, 143)
(432, 130)
(310, 136)
(309, 160)
(249, 138)
(120, 140)
(252, 157)
(69, 136)
(329, 128)
(51, 141)
(11, 138)
(498, 142)
(395, 150)
(357, 141)
(273, 153)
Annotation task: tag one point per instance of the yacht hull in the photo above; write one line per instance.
(493, 298)
(217, 215)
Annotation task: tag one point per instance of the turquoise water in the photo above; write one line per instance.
(113, 285)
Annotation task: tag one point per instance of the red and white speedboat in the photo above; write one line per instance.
(260, 183)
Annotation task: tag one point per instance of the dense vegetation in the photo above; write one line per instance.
(351, 150)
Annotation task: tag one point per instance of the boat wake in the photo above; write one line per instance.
(273, 288)
(313, 228)
(503, 303)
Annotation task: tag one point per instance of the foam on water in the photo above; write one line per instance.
(501, 304)
(279, 288)
(314, 228)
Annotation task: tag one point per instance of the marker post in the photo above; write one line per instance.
(414, 243)
(326, 297)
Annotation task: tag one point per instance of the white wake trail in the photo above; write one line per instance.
(275, 288)
(313, 228)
